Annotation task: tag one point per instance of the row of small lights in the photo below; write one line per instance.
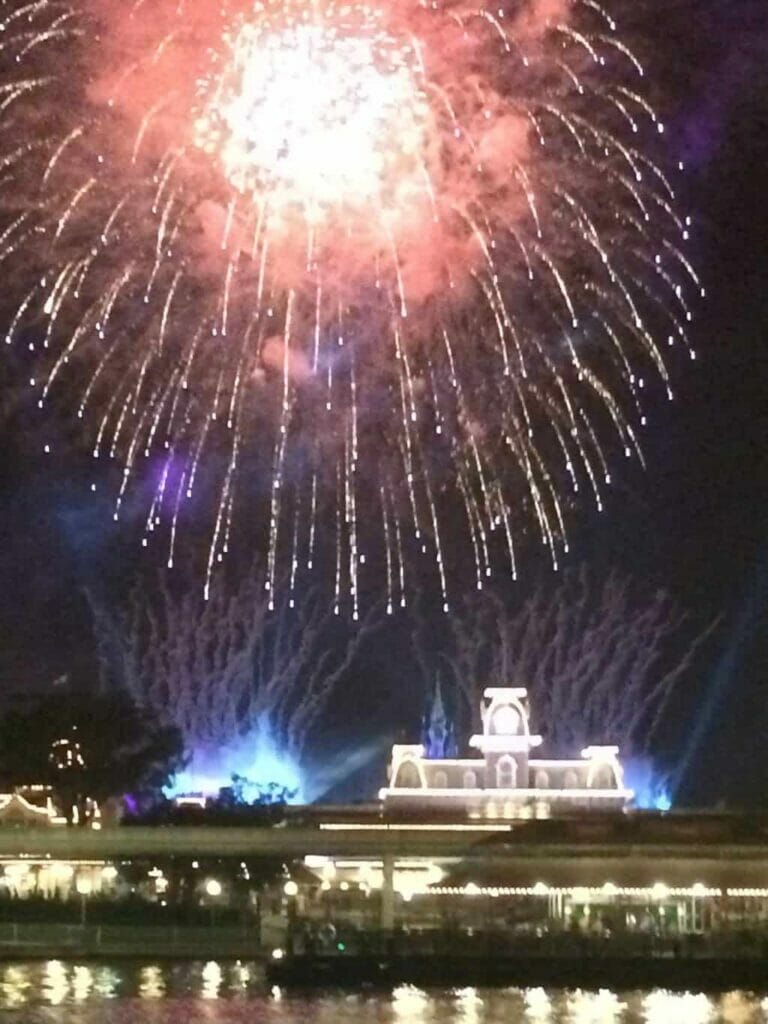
(213, 888)
(109, 873)
(659, 891)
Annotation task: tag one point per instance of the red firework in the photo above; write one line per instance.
(385, 253)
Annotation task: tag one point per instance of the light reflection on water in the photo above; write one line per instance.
(61, 992)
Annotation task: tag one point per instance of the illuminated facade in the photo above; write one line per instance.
(505, 781)
(30, 805)
(36, 805)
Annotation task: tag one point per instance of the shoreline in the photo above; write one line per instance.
(25, 941)
(705, 974)
(711, 975)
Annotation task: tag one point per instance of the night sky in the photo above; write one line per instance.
(695, 522)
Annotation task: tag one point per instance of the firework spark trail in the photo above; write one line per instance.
(403, 255)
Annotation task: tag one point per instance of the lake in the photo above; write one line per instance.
(71, 992)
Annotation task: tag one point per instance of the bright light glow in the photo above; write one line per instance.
(17, 870)
(651, 787)
(333, 826)
(84, 885)
(594, 1007)
(151, 983)
(82, 982)
(55, 982)
(660, 891)
(313, 860)
(660, 1007)
(62, 872)
(538, 1006)
(258, 757)
(315, 116)
(437, 213)
(409, 1004)
(212, 979)
(506, 720)
(278, 954)
(109, 872)
(213, 887)
(291, 888)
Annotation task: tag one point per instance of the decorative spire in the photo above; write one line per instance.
(438, 734)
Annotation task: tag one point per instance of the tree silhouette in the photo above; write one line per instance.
(87, 745)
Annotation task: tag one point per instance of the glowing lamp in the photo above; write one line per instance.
(291, 888)
(213, 887)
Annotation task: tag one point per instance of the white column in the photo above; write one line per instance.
(387, 917)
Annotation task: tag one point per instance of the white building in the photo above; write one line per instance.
(504, 781)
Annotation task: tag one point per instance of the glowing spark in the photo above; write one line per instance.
(396, 258)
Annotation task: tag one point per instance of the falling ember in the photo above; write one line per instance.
(398, 258)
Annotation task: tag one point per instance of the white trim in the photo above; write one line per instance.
(552, 763)
(467, 762)
(501, 744)
(9, 799)
(506, 692)
(598, 753)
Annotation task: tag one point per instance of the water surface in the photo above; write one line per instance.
(71, 992)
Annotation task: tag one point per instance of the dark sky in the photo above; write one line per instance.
(696, 522)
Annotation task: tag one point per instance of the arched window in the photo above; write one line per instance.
(470, 779)
(506, 772)
(570, 780)
(602, 778)
(542, 779)
(408, 776)
(506, 721)
(440, 780)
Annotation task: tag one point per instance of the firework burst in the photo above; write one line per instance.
(403, 255)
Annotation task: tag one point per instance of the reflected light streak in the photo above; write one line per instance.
(601, 1007)
(661, 1007)
(151, 983)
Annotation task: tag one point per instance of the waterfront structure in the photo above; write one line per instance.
(30, 806)
(504, 781)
